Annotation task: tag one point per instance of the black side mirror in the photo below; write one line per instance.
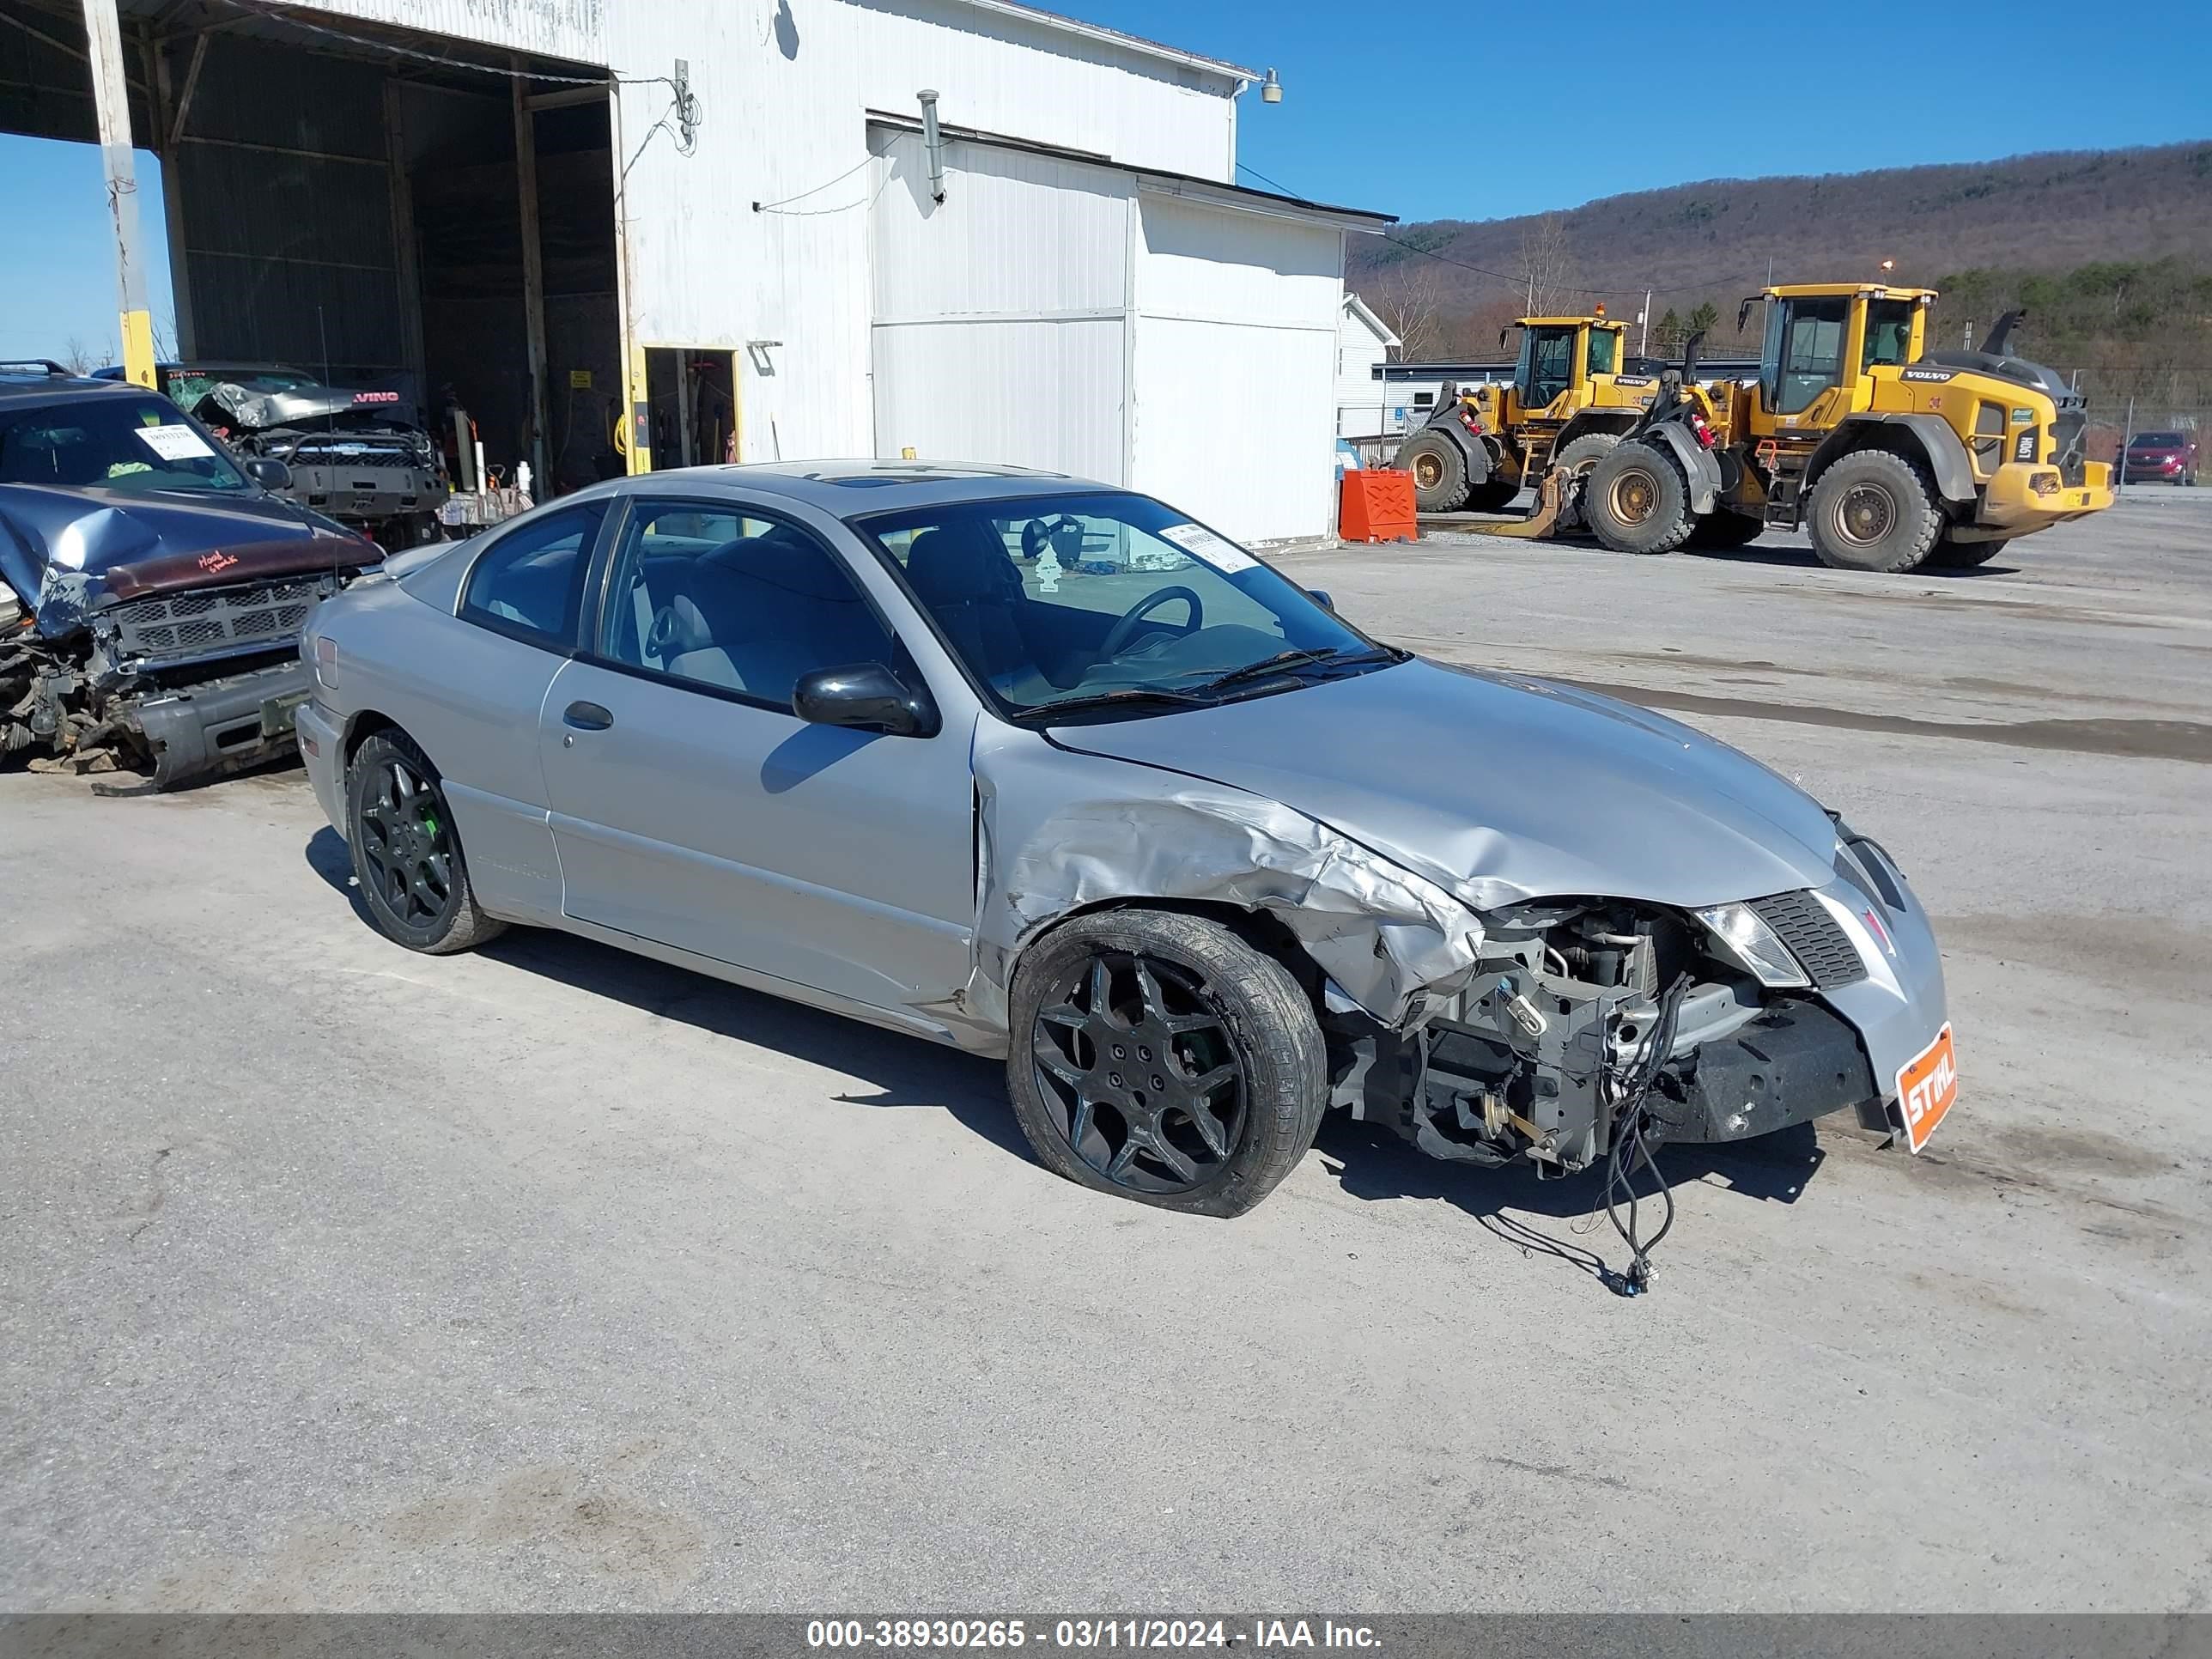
(1319, 597)
(865, 696)
(269, 474)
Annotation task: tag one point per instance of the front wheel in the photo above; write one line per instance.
(1637, 501)
(407, 852)
(1159, 1057)
(1580, 457)
(1439, 470)
(1874, 510)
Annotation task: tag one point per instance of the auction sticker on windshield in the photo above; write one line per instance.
(174, 443)
(1926, 1085)
(1207, 548)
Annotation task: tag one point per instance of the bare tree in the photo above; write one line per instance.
(1409, 298)
(78, 357)
(1547, 266)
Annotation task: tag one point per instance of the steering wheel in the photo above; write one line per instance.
(1037, 531)
(1123, 631)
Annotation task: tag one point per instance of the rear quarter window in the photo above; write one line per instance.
(529, 582)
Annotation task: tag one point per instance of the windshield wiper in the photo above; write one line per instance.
(1283, 661)
(1127, 696)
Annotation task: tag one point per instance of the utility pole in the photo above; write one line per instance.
(1644, 350)
(111, 104)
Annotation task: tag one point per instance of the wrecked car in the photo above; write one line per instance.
(1198, 858)
(151, 591)
(356, 454)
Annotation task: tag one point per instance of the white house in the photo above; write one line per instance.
(1364, 343)
(639, 233)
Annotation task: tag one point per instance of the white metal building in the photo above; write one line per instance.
(727, 240)
(1364, 344)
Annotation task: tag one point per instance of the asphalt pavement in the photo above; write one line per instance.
(335, 1277)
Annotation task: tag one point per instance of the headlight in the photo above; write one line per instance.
(1752, 945)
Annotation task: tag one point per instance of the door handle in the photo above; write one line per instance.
(588, 717)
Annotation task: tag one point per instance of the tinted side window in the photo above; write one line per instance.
(734, 601)
(531, 580)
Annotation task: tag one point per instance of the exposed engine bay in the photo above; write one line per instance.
(1592, 1032)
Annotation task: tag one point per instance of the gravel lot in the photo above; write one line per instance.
(332, 1277)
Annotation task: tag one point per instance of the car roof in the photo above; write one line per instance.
(23, 385)
(855, 488)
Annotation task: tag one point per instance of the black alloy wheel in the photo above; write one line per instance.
(407, 852)
(1161, 1057)
(407, 843)
(1139, 1074)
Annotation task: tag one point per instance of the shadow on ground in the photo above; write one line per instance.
(1366, 1162)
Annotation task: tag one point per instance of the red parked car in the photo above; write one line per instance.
(2162, 458)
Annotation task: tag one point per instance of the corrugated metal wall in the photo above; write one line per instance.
(1234, 367)
(784, 93)
(289, 248)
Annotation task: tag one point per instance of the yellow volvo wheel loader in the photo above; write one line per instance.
(1568, 401)
(1889, 454)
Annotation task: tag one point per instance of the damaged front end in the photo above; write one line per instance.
(131, 655)
(358, 455)
(1483, 1022)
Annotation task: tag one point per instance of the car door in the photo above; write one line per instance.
(692, 807)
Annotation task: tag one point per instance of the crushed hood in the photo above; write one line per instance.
(67, 551)
(234, 405)
(1502, 788)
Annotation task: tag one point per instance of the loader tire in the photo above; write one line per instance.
(1874, 510)
(1637, 501)
(1439, 470)
(1582, 456)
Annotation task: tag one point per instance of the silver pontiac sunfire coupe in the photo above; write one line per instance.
(1044, 769)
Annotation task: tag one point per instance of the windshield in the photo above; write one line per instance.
(2158, 440)
(116, 443)
(188, 385)
(1111, 601)
(1547, 364)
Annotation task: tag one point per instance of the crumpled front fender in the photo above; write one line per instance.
(1060, 832)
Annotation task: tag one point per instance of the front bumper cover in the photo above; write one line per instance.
(225, 726)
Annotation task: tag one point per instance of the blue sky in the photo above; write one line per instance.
(1758, 91)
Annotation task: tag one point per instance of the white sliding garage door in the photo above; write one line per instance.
(1235, 367)
(1001, 330)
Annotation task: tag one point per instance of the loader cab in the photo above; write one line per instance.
(1821, 341)
(1559, 355)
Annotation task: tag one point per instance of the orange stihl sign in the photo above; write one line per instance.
(1926, 1086)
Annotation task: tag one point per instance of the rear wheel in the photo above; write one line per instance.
(407, 852)
(1582, 456)
(1439, 471)
(1874, 510)
(1637, 501)
(1159, 1057)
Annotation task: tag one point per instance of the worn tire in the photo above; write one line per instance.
(1724, 528)
(1582, 455)
(457, 922)
(1947, 554)
(1439, 470)
(1492, 495)
(1259, 1011)
(1874, 510)
(1637, 501)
